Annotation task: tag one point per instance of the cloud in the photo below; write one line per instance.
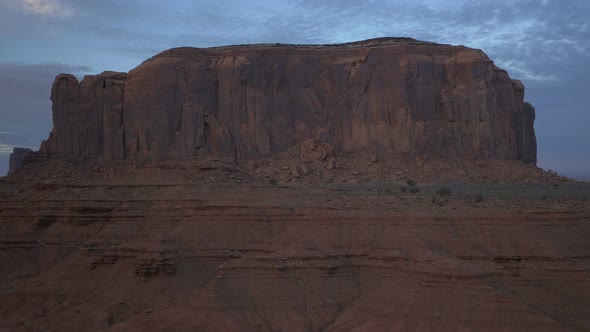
(47, 8)
(519, 69)
(6, 148)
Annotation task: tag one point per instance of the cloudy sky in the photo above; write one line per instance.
(545, 43)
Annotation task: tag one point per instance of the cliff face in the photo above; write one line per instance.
(393, 95)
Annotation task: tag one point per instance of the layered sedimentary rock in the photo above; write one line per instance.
(186, 248)
(392, 95)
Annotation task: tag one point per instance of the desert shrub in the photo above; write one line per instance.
(411, 182)
(444, 191)
(272, 181)
(440, 201)
(388, 191)
(414, 190)
(403, 189)
(478, 198)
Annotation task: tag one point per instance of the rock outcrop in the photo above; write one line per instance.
(394, 96)
(17, 158)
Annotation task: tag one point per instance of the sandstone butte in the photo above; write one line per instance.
(273, 188)
(393, 96)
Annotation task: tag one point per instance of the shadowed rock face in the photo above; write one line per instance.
(392, 95)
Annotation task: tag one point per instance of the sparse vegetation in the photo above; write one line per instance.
(411, 182)
(403, 189)
(444, 191)
(478, 198)
(440, 201)
(414, 190)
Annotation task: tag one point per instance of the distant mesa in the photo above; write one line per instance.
(393, 96)
(17, 158)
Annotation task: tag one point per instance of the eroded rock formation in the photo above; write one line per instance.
(17, 158)
(390, 95)
(320, 227)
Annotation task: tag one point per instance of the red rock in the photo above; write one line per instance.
(200, 245)
(87, 117)
(394, 96)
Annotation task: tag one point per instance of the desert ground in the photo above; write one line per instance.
(272, 247)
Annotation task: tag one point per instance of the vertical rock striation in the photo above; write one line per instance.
(396, 96)
(88, 116)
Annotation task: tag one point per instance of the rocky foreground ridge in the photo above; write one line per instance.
(390, 96)
(188, 246)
